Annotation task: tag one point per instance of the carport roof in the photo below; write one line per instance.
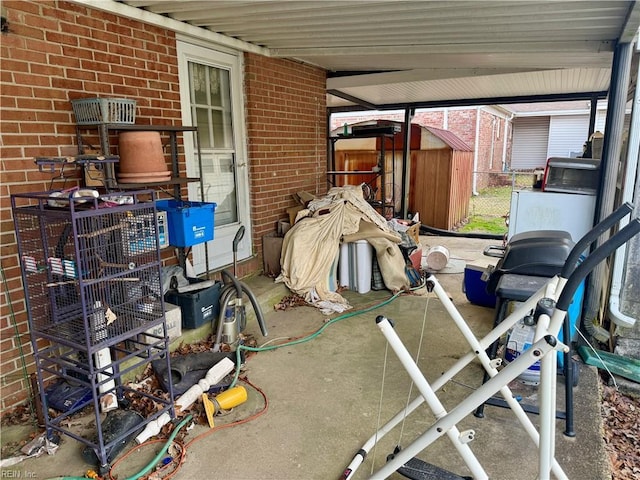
(391, 53)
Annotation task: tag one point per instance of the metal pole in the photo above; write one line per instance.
(592, 116)
(611, 150)
(406, 161)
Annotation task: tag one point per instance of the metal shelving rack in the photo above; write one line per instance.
(104, 130)
(107, 165)
(91, 272)
(383, 134)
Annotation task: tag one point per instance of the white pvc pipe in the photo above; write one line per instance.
(547, 402)
(552, 288)
(632, 175)
(214, 375)
(436, 407)
(108, 400)
(447, 422)
(507, 121)
(476, 149)
(554, 284)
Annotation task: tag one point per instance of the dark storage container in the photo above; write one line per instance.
(475, 287)
(199, 306)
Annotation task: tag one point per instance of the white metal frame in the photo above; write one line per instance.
(549, 323)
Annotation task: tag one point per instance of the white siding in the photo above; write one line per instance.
(601, 116)
(567, 134)
(601, 119)
(529, 144)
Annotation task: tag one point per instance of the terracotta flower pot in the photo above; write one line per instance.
(141, 153)
(149, 177)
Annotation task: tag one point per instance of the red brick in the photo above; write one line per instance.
(89, 52)
(62, 38)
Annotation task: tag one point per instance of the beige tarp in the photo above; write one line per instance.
(310, 248)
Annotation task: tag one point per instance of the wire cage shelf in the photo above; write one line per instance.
(91, 273)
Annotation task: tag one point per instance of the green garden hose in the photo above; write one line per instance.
(155, 459)
(309, 337)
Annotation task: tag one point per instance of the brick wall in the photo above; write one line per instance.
(55, 52)
(463, 124)
(286, 129)
(58, 51)
(487, 142)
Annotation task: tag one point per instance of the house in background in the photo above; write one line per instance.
(555, 129)
(520, 136)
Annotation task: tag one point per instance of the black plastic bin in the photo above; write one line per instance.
(199, 306)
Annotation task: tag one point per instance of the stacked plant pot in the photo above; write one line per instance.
(142, 158)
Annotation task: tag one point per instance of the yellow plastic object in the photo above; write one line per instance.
(223, 401)
(231, 398)
(209, 408)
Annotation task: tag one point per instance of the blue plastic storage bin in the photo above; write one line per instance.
(190, 223)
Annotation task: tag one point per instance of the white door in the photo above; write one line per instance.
(211, 99)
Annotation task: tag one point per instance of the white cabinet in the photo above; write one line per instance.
(536, 210)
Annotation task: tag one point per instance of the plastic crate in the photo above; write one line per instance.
(91, 111)
(190, 223)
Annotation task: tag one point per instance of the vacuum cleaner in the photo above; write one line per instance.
(232, 317)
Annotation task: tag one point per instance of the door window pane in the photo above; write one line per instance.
(215, 87)
(211, 112)
(211, 105)
(198, 74)
(202, 121)
(219, 182)
(221, 128)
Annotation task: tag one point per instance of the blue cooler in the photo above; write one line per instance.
(474, 287)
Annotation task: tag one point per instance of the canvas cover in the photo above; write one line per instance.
(311, 247)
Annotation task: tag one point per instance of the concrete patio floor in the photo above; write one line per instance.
(327, 396)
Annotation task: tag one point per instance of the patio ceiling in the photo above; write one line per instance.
(391, 53)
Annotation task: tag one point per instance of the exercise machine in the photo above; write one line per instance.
(550, 304)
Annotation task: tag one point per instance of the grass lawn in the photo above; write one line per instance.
(488, 211)
(485, 224)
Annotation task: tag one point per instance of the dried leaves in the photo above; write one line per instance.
(621, 417)
(20, 415)
(290, 301)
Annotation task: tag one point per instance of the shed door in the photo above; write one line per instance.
(529, 145)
